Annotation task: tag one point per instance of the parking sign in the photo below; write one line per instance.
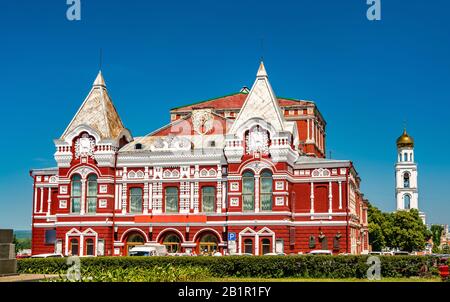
(231, 236)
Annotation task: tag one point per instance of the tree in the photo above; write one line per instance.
(376, 220)
(436, 231)
(402, 230)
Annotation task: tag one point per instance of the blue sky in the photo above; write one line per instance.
(366, 77)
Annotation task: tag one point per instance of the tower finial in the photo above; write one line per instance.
(262, 70)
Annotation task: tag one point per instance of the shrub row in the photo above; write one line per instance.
(302, 266)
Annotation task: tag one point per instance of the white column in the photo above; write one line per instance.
(313, 135)
(49, 201)
(219, 197)
(256, 244)
(145, 198)
(35, 198)
(308, 135)
(340, 195)
(41, 203)
(124, 198)
(257, 205)
(224, 195)
(312, 197)
(83, 197)
(330, 197)
(192, 197)
(150, 196)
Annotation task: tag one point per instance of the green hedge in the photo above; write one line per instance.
(302, 266)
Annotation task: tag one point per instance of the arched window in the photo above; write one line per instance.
(92, 193)
(208, 244)
(89, 247)
(74, 247)
(406, 180)
(172, 243)
(265, 243)
(407, 201)
(171, 200)
(248, 246)
(248, 191)
(75, 194)
(266, 191)
(136, 200)
(208, 199)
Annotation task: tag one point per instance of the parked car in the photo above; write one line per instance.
(148, 250)
(275, 254)
(48, 256)
(321, 252)
(401, 253)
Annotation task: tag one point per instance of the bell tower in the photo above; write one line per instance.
(406, 187)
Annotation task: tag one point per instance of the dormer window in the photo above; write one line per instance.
(138, 146)
(212, 143)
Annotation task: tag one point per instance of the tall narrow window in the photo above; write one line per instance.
(248, 246)
(407, 201)
(74, 247)
(76, 194)
(405, 156)
(171, 200)
(208, 199)
(265, 243)
(248, 191)
(92, 193)
(266, 191)
(406, 180)
(89, 247)
(136, 200)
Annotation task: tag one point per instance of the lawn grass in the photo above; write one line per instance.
(416, 279)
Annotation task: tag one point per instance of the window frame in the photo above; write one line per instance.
(132, 201)
(177, 195)
(268, 193)
(250, 177)
(89, 197)
(77, 197)
(211, 195)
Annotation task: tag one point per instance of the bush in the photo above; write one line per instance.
(198, 268)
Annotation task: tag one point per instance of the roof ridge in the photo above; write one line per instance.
(208, 100)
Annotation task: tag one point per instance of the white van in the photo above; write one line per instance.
(148, 250)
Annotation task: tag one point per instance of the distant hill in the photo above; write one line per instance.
(22, 234)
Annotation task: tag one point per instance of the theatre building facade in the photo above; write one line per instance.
(243, 173)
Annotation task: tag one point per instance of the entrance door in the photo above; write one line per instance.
(134, 240)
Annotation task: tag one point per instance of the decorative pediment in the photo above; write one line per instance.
(84, 146)
(257, 140)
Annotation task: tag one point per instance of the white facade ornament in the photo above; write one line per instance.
(202, 121)
(321, 173)
(171, 143)
(257, 166)
(84, 146)
(257, 141)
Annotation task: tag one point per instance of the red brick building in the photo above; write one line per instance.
(248, 165)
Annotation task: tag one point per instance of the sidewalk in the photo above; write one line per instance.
(27, 278)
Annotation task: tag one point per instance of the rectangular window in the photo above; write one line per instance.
(136, 200)
(208, 199)
(171, 200)
(50, 236)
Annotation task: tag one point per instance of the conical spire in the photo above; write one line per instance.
(261, 103)
(97, 112)
(262, 70)
(99, 80)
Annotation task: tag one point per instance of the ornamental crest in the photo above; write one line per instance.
(257, 141)
(84, 146)
(202, 121)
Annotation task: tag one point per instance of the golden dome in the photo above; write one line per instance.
(405, 140)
